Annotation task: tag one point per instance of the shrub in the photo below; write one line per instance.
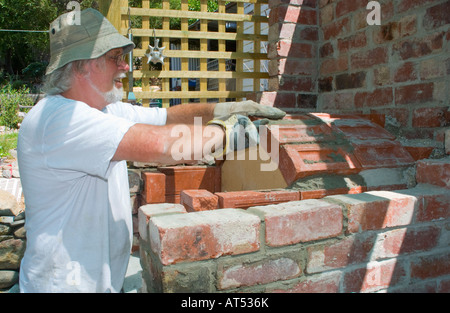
(10, 99)
(7, 143)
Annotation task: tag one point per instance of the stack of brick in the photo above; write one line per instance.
(319, 154)
(323, 154)
(374, 241)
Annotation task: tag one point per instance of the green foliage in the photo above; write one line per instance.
(7, 142)
(34, 70)
(25, 54)
(18, 50)
(10, 99)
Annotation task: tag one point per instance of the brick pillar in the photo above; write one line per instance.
(292, 52)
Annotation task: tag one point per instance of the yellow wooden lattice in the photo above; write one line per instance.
(211, 56)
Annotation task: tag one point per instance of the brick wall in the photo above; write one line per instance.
(326, 58)
(393, 241)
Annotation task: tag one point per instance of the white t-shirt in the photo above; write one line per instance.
(78, 214)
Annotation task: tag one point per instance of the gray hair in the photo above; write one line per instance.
(60, 80)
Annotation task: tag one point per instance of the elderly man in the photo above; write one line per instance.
(72, 152)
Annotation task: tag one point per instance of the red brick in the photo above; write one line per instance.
(374, 276)
(262, 272)
(377, 118)
(419, 153)
(321, 283)
(405, 72)
(198, 200)
(293, 14)
(405, 5)
(416, 93)
(433, 202)
(203, 235)
(285, 48)
(321, 193)
(433, 207)
(326, 50)
(350, 80)
(387, 11)
(246, 199)
(179, 178)
(306, 101)
(437, 16)
(300, 221)
(378, 98)
(325, 84)
(285, 100)
(337, 28)
(296, 84)
(429, 117)
(347, 6)
(301, 160)
(154, 187)
(306, 33)
(419, 47)
(357, 40)
(377, 210)
(337, 101)
(292, 66)
(394, 30)
(430, 266)
(381, 153)
(434, 172)
(273, 98)
(404, 241)
(369, 58)
(329, 66)
(326, 15)
(432, 68)
(296, 133)
(146, 212)
(337, 254)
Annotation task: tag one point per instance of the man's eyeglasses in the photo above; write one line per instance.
(118, 58)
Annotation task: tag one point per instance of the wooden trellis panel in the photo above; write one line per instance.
(214, 80)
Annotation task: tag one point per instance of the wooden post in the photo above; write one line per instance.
(111, 10)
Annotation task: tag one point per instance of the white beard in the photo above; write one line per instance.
(113, 95)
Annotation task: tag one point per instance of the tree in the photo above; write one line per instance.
(19, 49)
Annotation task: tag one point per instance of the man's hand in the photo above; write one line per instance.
(240, 133)
(247, 108)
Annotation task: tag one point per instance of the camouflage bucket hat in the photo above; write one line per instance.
(88, 38)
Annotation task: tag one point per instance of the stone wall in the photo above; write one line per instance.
(12, 241)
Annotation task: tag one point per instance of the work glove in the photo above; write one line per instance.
(240, 133)
(247, 108)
